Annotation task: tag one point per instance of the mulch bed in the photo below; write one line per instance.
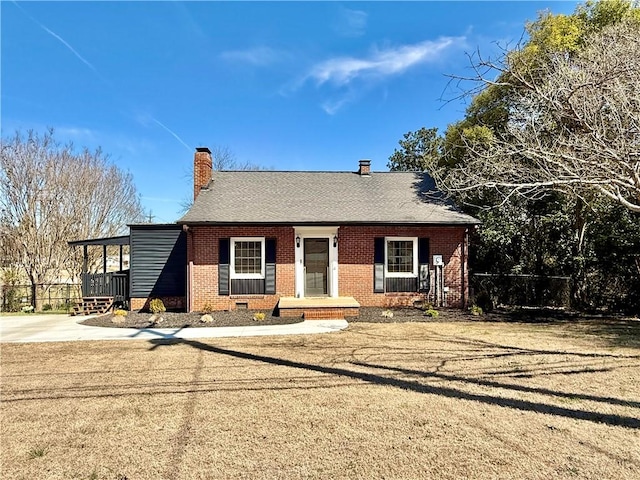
(410, 314)
(243, 318)
(236, 318)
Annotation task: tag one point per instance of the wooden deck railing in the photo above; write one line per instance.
(115, 285)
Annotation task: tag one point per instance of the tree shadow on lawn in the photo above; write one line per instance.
(509, 386)
(375, 378)
(618, 330)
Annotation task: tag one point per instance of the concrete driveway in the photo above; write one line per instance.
(64, 328)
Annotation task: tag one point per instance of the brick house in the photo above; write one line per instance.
(320, 243)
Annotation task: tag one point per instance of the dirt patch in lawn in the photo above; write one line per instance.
(445, 400)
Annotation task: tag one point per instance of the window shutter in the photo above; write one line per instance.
(270, 266)
(424, 283)
(223, 266)
(378, 265)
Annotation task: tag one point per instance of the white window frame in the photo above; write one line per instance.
(233, 242)
(414, 272)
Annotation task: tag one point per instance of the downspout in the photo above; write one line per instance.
(189, 266)
(189, 284)
(463, 262)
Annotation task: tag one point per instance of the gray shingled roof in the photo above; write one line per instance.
(322, 197)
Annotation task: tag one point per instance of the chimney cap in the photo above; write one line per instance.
(365, 168)
(203, 149)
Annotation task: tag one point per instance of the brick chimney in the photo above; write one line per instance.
(202, 166)
(365, 168)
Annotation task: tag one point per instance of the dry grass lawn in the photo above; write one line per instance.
(443, 400)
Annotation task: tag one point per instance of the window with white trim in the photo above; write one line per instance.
(247, 257)
(401, 257)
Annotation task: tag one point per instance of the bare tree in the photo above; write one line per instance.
(49, 194)
(574, 126)
(223, 159)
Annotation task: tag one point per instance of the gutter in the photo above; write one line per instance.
(328, 223)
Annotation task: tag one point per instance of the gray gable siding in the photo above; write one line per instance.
(158, 261)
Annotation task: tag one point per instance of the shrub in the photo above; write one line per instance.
(258, 316)
(120, 312)
(431, 313)
(426, 306)
(206, 318)
(37, 452)
(11, 299)
(157, 306)
(208, 308)
(46, 307)
(10, 292)
(387, 314)
(475, 310)
(27, 309)
(66, 305)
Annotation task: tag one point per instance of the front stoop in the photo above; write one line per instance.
(319, 308)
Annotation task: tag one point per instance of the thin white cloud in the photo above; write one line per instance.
(61, 40)
(86, 132)
(351, 23)
(352, 77)
(331, 107)
(76, 132)
(73, 50)
(192, 26)
(145, 119)
(172, 133)
(258, 56)
(341, 71)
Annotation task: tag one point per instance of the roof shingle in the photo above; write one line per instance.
(258, 197)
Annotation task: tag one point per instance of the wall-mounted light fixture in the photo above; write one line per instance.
(298, 241)
(335, 240)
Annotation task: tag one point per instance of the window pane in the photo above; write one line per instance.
(400, 256)
(248, 257)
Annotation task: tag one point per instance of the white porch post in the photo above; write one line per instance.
(299, 267)
(333, 265)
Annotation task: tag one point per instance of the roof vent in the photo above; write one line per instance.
(365, 168)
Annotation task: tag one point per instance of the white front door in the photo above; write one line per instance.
(316, 261)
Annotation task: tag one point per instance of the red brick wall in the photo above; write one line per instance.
(355, 264)
(202, 250)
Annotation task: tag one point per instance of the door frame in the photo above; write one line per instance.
(329, 233)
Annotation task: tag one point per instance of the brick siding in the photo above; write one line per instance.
(355, 264)
(171, 303)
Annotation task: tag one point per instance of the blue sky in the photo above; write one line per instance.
(284, 85)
